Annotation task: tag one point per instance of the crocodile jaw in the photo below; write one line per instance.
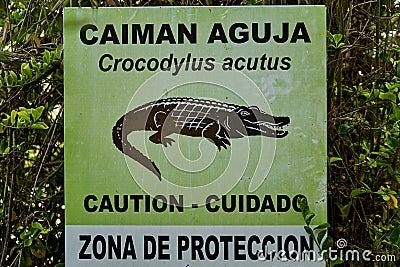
(273, 128)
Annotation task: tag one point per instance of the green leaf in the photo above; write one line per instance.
(303, 205)
(36, 113)
(321, 236)
(305, 210)
(339, 45)
(395, 116)
(37, 225)
(328, 243)
(46, 57)
(309, 217)
(398, 70)
(24, 114)
(39, 125)
(26, 70)
(386, 197)
(45, 65)
(344, 128)
(358, 191)
(345, 210)
(333, 159)
(6, 122)
(309, 230)
(12, 78)
(336, 262)
(391, 86)
(337, 37)
(25, 235)
(392, 192)
(13, 116)
(28, 242)
(13, 249)
(380, 192)
(365, 93)
(58, 52)
(322, 226)
(388, 96)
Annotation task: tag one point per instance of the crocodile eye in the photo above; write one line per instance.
(244, 113)
(254, 107)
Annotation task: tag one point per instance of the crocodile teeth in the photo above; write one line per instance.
(274, 125)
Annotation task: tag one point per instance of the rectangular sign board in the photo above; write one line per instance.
(191, 133)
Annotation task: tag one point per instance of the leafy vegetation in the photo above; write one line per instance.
(364, 117)
(363, 125)
(31, 134)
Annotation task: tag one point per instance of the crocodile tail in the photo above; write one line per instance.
(121, 142)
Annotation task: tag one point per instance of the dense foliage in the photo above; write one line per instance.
(363, 125)
(31, 133)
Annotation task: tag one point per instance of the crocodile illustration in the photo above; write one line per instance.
(216, 121)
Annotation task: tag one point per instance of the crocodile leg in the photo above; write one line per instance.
(157, 138)
(216, 133)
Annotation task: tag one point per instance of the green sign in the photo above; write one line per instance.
(191, 133)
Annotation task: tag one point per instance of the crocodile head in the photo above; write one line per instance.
(257, 122)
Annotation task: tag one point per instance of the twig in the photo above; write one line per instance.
(43, 159)
(10, 206)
